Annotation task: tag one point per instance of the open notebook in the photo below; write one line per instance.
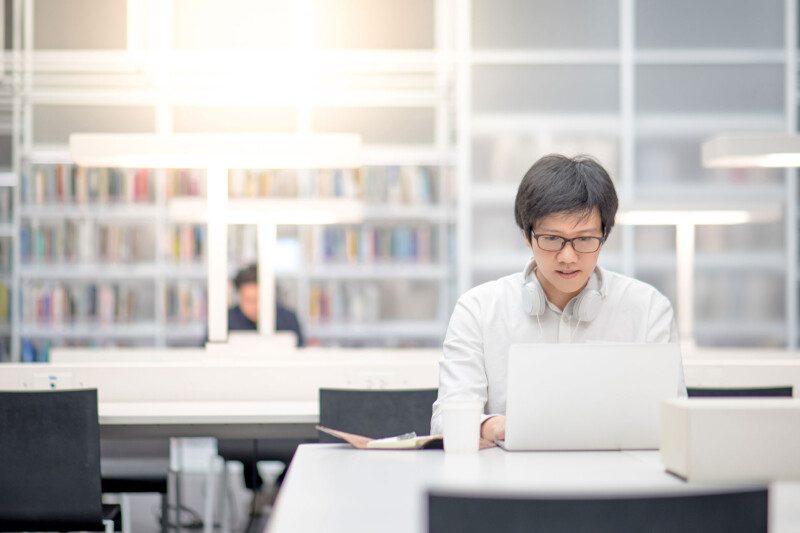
(407, 441)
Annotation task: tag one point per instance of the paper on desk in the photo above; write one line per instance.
(402, 442)
(409, 441)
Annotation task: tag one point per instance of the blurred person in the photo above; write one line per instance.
(244, 315)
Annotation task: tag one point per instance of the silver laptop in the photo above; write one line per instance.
(588, 396)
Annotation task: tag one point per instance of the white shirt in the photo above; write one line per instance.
(489, 318)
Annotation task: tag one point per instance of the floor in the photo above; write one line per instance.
(145, 508)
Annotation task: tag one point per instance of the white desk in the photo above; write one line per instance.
(335, 488)
(209, 419)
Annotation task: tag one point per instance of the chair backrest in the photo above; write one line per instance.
(741, 511)
(376, 413)
(50, 461)
(740, 392)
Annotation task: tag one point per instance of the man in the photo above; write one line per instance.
(565, 208)
(244, 316)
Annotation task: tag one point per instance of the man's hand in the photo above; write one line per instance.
(494, 429)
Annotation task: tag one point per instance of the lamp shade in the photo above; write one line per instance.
(644, 213)
(752, 150)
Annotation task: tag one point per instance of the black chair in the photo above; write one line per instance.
(376, 413)
(740, 392)
(50, 462)
(720, 512)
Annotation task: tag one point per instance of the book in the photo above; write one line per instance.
(407, 441)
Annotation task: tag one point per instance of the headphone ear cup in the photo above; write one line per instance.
(533, 301)
(588, 306)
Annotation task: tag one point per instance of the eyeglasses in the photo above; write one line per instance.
(554, 243)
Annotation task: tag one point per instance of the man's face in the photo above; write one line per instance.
(563, 274)
(248, 300)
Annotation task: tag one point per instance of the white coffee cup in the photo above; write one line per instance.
(461, 421)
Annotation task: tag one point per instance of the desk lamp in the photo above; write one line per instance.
(217, 154)
(685, 219)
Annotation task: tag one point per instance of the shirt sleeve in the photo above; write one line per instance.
(462, 375)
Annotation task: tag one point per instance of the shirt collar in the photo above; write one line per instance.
(593, 283)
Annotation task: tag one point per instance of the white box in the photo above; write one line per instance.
(741, 440)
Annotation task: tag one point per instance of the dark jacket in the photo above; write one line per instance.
(285, 320)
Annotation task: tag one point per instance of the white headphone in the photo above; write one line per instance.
(585, 307)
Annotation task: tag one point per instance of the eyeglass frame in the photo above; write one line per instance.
(564, 241)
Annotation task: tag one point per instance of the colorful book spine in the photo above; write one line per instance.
(5, 303)
(186, 243)
(186, 303)
(59, 304)
(185, 182)
(332, 302)
(407, 244)
(407, 185)
(69, 184)
(70, 242)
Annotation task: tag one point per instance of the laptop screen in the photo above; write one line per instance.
(589, 396)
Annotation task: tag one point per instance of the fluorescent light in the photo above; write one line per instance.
(752, 150)
(671, 218)
(189, 150)
(697, 212)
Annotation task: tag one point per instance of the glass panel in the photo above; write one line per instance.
(54, 123)
(545, 24)
(742, 238)
(73, 24)
(495, 231)
(654, 239)
(677, 160)
(5, 349)
(379, 125)
(370, 24)
(546, 89)
(749, 297)
(8, 25)
(709, 24)
(506, 158)
(233, 119)
(6, 147)
(710, 88)
(233, 24)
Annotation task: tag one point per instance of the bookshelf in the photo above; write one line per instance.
(106, 264)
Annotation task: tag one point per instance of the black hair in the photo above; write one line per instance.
(560, 184)
(246, 275)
